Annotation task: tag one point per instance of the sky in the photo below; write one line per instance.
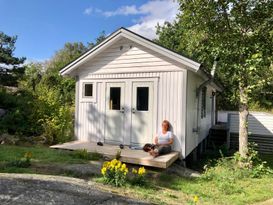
(44, 26)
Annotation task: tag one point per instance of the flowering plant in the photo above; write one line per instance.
(138, 176)
(195, 199)
(114, 172)
(24, 162)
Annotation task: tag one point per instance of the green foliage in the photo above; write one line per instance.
(10, 66)
(44, 103)
(228, 170)
(24, 162)
(138, 177)
(253, 162)
(21, 118)
(84, 154)
(114, 172)
(118, 154)
(41, 154)
(239, 33)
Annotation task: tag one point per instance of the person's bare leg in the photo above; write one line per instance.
(154, 153)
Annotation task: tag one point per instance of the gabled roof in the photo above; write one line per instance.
(122, 32)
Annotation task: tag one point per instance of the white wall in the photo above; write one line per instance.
(259, 123)
(192, 138)
(133, 63)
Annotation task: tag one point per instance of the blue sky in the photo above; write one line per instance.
(43, 26)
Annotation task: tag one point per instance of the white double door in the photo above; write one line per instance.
(129, 112)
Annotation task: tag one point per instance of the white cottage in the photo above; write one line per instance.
(127, 85)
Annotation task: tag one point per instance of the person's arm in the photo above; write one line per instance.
(156, 140)
(170, 141)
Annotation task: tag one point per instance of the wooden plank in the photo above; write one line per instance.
(127, 155)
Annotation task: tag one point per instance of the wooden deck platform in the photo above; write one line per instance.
(127, 155)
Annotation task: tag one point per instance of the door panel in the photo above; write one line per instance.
(142, 112)
(114, 126)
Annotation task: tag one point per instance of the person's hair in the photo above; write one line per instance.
(148, 147)
(168, 124)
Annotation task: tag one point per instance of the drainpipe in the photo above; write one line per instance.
(199, 89)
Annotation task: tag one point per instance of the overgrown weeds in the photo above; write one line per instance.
(228, 170)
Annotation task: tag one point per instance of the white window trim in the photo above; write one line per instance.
(94, 92)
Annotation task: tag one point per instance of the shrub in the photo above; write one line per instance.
(138, 176)
(253, 163)
(114, 172)
(23, 162)
(228, 170)
(82, 154)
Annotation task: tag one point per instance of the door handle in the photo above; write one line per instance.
(122, 110)
(133, 110)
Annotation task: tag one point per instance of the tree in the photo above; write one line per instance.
(240, 33)
(10, 66)
(102, 36)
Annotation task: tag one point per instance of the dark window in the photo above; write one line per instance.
(203, 102)
(114, 103)
(142, 98)
(88, 90)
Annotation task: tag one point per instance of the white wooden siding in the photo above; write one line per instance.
(136, 63)
(132, 58)
(193, 138)
(258, 123)
(170, 105)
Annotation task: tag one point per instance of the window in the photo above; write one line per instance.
(114, 102)
(87, 89)
(203, 102)
(142, 98)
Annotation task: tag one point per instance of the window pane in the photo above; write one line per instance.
(203, 100)
(114, 103)
(88, 90)
(142, 98)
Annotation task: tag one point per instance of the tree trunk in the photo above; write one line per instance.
(243, 128)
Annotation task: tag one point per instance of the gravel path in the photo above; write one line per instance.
(28, 189)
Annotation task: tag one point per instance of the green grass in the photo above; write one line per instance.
(171, 189)
(162, 188)
(42, 155)
(246, 191)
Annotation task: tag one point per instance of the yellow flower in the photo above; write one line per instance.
(118, 164)
(134, 171)
(141, 171)
(28, 155)
(103, 171)
(114, 162)
(195, 199)
(106, 164)
(125, 171)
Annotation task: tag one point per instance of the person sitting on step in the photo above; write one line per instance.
(163, 141)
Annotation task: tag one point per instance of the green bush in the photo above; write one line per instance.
(228, 170)
(138, 176)
(114, 172)
(82, 154)
(24, 162)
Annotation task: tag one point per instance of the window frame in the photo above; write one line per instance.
(137, 108)
(203, 102)
(84, 98)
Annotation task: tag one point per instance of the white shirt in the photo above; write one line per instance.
(164, 138)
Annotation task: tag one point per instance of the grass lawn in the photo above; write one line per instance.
(42, 156)
(171, 189)
(163, 187)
